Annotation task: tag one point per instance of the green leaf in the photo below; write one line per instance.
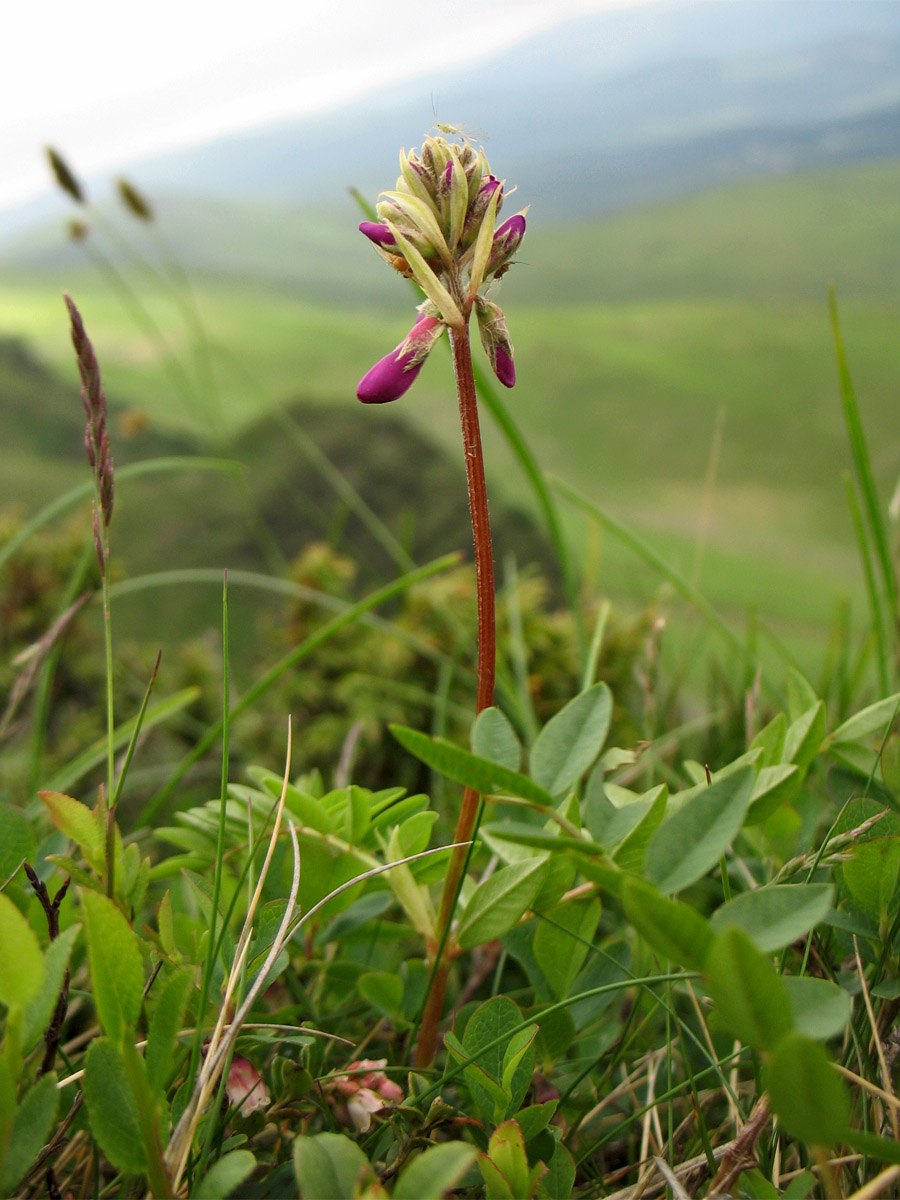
(631, 852)
(535, 1117)
(777, 915)
(383, 990)
(771, 740)
(672, 928)
(21, 961)
(17, 843)
(164, 1025)
(434, 1173)
(774, 786)
(571, 740)
(695, 837)
(804, 737)
(518, 1058)
(112, 1109)
(78, 823)
(500, 901)
(885, 1149)
(32, 1123)
(800, 693)
(873, 719)
(329, 1166)
(871, 874)
(494, 738)
(116, 970)
(561, 942)
(560, 1177)
(486, 778)
(487, 1036)
(821, 1009)
(510, 1176)
(806, 1092)
(225, 1176)
(308, 810)
(751, 1000)
(40, 1009)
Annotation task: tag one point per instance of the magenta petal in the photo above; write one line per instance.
(389, 379)
(378, 233)
(395, 374)
(504, 368)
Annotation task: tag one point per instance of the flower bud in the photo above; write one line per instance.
(395, 374)
(507, 240)
(245, 1087)
(495, 339)
(377, 233)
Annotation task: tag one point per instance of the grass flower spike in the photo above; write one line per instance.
(439, 227)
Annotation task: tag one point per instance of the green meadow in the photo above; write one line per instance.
(675, 365)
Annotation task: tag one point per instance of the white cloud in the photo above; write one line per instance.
(107, 81)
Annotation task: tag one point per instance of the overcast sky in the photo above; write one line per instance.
(107, 81)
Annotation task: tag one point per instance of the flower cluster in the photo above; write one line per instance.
(362, 1092)
(439, 227)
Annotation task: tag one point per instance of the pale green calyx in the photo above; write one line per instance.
(438, 226)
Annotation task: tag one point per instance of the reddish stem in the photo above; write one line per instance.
(487, 654)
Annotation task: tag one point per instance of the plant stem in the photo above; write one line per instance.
(487, 655)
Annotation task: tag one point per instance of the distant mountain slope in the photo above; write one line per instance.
(608, 110)
(596, 114)
(783, 238)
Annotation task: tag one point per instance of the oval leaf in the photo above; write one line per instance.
(821, 1009)
(498, 903)
(777, 915)
(570, 741)
(494, 738)
(695, 837)
(21, 961)
(436, 1172)
(751, 1000)
(673, 929)
(111, 1107)
(116, 969)
(486, 778)
(806, 1092)
(31, 1125)
(329, 1166)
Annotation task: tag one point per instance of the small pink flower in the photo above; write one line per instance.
(245, 1088)
(363, 1091)
(395, 374)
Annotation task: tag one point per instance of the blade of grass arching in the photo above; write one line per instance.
(95, 754)
(210, 960)
(590, 670)
(639, 547)
(291, 659)
(320, 461)
(862, 464)
(518, 650)
(84, 491)
(488, 393)
(498, 410)
(876, 607)
(346, 491)
(168, 359)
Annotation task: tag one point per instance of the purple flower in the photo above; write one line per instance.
(504, 367)
(378, 233)
(507, 240)
(396, 372)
